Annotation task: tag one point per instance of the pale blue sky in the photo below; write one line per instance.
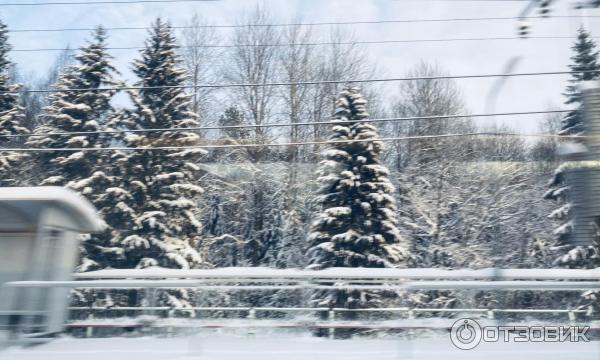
(520, 94)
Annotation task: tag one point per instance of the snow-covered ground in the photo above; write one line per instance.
(299, 348)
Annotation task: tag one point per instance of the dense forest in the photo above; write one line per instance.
(285, 176)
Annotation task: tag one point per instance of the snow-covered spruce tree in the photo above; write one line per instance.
(585, 59)
(162, 184)
(91, 173)
(358, 223)
(357, 226)
(12, 116)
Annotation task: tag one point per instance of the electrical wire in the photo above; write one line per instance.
(316, 82)
(327, 23)
(365, 42)
(101, 2)
(252, 126)
(319, 142)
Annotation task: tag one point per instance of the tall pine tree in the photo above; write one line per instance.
(12, 116)
(163, 185)
(89, 172)
(585, 67)
(357, 226)
(83, 110)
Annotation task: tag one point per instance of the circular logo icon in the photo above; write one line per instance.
(465, 334)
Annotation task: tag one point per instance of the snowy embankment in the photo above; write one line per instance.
(303, 348)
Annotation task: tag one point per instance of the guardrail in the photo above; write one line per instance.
(258, 274)
(316, 285)
(259, 279)
(409, 321)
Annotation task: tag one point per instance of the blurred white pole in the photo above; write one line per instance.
(492, 96)
(584, 18)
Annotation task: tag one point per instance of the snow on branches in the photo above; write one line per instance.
(357, 226)
(12, 114)
(162, 185)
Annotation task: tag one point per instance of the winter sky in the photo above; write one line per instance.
(457, 58)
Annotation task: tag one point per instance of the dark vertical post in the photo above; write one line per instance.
(584, 176)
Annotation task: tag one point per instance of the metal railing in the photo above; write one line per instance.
(97, 317)
(330, 319)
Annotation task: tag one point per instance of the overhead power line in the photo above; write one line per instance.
(326, 23)
(100, 2)
(319, 142)
(364, 42)
(299, 83)
(251, 126)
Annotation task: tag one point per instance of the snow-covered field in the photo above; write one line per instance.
(299, 348)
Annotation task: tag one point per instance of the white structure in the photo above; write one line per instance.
(583, 176)
(39, 237)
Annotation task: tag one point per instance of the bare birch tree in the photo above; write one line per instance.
(253, 60)
(200, 59)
